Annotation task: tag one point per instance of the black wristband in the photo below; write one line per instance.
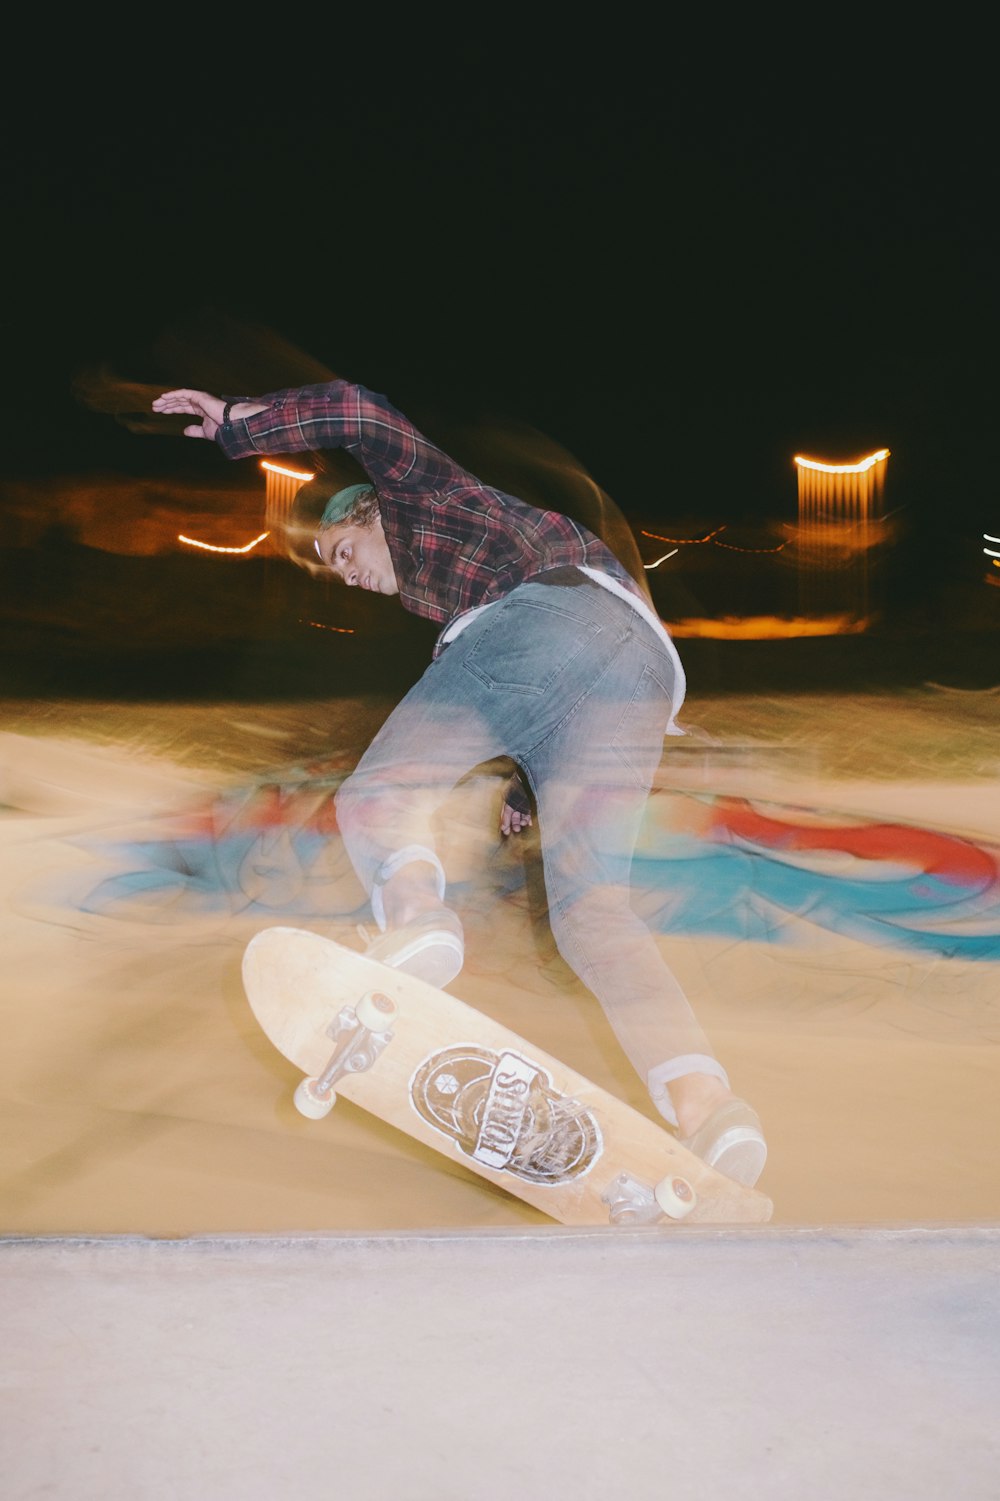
(225, 413)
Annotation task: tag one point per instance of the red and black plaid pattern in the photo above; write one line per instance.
(455, 543)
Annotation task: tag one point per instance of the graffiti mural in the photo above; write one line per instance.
(704, 865)
(744, 872)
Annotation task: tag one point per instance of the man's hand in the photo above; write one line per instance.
(210, 409)
(515, 815)
(199, 404)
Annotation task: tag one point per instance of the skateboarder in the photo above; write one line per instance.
(550, 654)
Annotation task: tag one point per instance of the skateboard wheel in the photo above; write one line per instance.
(312, 1105)
(675, 1197)
(375, 1011)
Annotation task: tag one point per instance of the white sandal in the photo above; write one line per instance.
(432, 947)
(731, 1141)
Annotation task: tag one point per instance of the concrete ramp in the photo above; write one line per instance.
(545, 1364)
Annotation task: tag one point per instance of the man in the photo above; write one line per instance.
(550, 654)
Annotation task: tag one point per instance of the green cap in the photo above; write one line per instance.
(339, 504)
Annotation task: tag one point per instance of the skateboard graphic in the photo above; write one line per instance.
(450, 1076)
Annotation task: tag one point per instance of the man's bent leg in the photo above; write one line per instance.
(592, 791)
(385, 812)
(614, 953)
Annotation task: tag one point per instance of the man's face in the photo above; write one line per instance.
(358, 556)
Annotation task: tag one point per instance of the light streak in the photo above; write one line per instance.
(731, 547)
(708, 537)
(291, 473)
(684, 541)
(208, 547)
(990, 553)
(341, 630)
(858, 468)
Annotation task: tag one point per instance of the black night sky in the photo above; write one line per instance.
(683, 256)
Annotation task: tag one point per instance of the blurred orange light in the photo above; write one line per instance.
(207, 546)
(768, 627)
(291, 473)
(858, 468)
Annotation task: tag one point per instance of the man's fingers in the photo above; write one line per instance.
(512, 822)
(178, 401)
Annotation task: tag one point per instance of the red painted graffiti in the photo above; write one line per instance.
(944, 856)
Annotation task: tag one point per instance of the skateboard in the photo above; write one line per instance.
(448, 1075)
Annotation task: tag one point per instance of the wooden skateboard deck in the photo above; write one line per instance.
(451, 1077)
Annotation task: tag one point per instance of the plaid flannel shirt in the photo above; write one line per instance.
(455, 543)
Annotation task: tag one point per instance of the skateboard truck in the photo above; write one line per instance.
(359, 1033)
(633, 1203)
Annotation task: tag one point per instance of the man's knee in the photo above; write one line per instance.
(602, 912)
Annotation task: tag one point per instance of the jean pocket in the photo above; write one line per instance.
(525, 644)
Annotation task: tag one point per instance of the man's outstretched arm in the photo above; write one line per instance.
(331, 414)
